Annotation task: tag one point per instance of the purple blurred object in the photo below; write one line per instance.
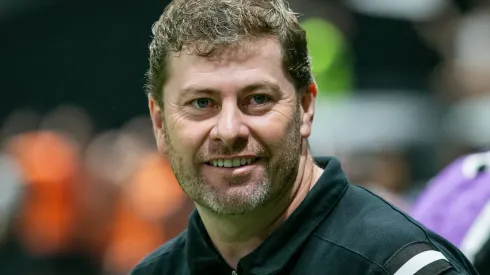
(456, 203)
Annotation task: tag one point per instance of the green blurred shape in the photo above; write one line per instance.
(330, 56)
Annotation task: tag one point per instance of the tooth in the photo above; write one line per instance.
(243, 161)
(220, 163)
(236, 162)
(227, 162)
(215, 162)
(249, 161)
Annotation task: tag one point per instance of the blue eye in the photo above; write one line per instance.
(202, 103)
(260, 99)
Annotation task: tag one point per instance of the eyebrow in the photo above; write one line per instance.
(195, 89)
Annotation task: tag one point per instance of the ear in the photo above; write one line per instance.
(308, 110)
(156, 114)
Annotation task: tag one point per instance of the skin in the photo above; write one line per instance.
(240, 104)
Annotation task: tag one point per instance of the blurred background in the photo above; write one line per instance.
(404, 90)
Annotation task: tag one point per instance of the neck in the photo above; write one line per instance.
(237, 236)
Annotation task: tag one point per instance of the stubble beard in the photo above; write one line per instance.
(278, 181)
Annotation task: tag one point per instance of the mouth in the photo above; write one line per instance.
(232, 163)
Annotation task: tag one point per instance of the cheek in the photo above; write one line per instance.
(271, 130)
(189, 136)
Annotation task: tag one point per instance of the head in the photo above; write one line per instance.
(231, 99)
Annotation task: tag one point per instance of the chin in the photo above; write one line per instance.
(235, 200)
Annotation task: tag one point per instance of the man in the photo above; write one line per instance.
(456, 205)
(231, 98)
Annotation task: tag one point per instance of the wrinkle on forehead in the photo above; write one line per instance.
(240, 49)
(243, 52)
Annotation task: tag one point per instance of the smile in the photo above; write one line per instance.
(234, 162)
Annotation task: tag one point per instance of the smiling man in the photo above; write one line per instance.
(231, 96)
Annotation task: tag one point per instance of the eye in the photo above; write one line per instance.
(259, 99)
(202, 103)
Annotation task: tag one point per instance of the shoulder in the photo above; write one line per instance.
(164, 260)
(374, 230)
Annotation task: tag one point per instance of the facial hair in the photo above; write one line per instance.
(278, 180)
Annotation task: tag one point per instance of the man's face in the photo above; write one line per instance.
(232, 127)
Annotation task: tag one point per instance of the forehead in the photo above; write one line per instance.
(246, 64)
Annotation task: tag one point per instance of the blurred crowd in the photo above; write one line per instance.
(400, 98)
(77, 203)
(393, 127)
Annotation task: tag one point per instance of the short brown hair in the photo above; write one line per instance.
(206, 26)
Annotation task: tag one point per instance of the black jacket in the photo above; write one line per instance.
(338, 229)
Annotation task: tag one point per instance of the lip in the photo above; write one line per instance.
(232, 157)
(233, 171)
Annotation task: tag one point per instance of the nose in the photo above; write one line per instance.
(230, 128)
